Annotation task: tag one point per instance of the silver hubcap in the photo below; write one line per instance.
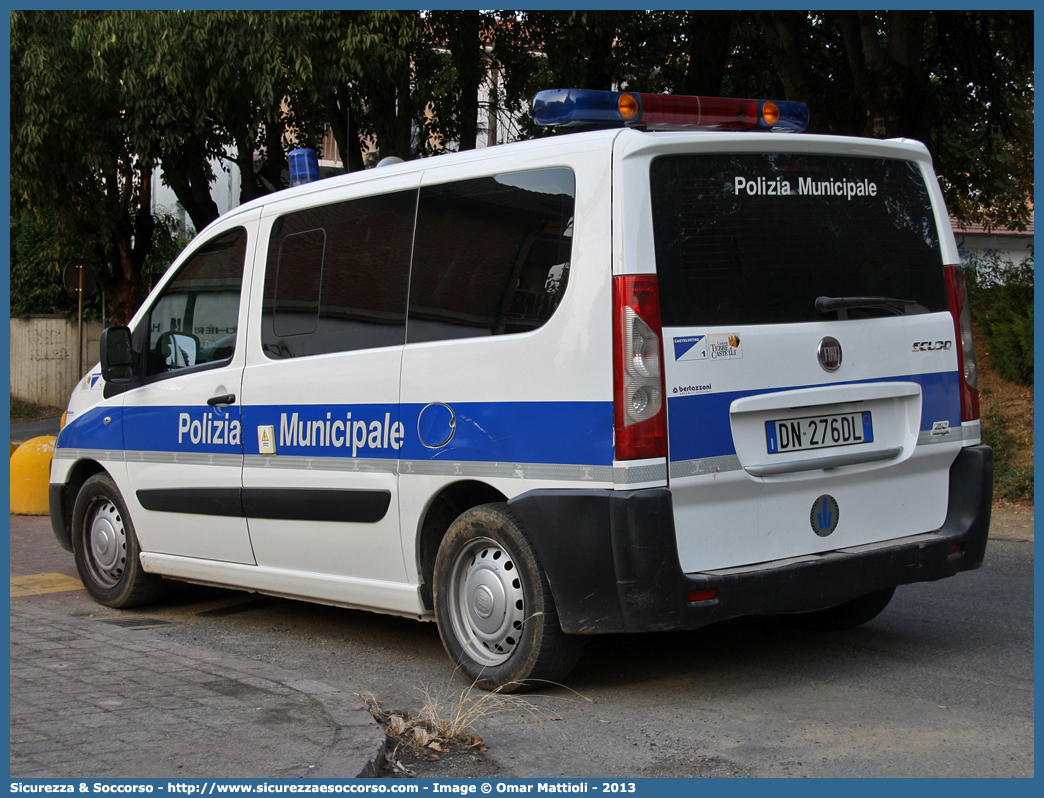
(106, 543)
(488, 604)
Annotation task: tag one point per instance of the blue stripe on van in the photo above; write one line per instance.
(699, 424)
(522, 432)
(89, 430)
(567, 433)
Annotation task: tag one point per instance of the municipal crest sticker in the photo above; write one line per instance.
(725, 346)
(690, 347)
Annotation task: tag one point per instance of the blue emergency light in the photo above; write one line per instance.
(304, 166)
(666, 111)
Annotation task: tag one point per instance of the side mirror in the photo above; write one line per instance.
(117, 357)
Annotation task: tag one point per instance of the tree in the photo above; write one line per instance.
(961, 81)
(37, 253)
(74, 158)
(367, 77)
(98, 98)
(220, 86)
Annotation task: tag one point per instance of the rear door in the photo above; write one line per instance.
(810, 362)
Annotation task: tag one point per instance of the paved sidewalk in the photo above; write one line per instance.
(1011, 522)
(89, 699)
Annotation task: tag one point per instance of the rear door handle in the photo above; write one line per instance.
(223, 401)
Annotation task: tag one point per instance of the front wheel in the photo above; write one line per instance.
(106, 548)
(494, 607)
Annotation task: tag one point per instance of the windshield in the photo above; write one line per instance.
(757, 238)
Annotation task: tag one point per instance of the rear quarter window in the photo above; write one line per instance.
(491, 255)
(756, 238)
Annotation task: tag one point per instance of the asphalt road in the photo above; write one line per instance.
(941, 684)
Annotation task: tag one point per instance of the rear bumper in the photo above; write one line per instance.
(612, 559)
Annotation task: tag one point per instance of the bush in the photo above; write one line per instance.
(1010, 481)
(1002, 304)
(37, 256)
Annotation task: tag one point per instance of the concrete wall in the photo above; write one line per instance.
(43, 358)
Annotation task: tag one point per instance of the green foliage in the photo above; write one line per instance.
(1001, 294)
(168, 240)
(98, 98)
(39, 254)
(76, 157)
(1010, 481)
(37, 257)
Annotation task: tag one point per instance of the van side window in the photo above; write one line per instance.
(491, 254)
(193, 322)
(336, 277)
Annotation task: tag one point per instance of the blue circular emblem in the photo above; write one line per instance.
(825, 515)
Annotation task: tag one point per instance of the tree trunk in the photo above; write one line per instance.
(189, 177)
(709, 34)
(342, 119)
(467, 53)
(248, 187)
(600, 40)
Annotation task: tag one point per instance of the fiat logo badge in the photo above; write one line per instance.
(829, 352)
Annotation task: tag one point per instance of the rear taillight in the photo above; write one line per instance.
(638, 400)
(957, 295)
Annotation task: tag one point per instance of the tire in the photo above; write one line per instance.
(106, 548)
(843, 616)
(494, 607)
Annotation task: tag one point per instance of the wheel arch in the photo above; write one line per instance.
(63, 497)
(443, 509)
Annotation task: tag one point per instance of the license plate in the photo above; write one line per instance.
(816, 432)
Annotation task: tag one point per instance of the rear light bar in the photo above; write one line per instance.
(639, 407)
(960, 309)
(666, 111)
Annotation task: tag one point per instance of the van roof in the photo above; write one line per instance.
(587, 140)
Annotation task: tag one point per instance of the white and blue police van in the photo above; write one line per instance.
(669, 370)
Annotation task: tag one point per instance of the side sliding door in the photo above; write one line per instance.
(321, 425)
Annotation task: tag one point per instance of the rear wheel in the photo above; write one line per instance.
(494, 607)
(843, 616)
(106, 548)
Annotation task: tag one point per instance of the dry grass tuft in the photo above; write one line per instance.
(449, 721)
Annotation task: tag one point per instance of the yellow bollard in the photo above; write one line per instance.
(30, 476)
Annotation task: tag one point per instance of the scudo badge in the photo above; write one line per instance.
(829, 352)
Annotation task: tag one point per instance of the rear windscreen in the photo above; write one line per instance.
(757, 238)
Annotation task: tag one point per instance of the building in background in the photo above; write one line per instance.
(1001, 245)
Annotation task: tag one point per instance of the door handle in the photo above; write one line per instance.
(221, 402)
